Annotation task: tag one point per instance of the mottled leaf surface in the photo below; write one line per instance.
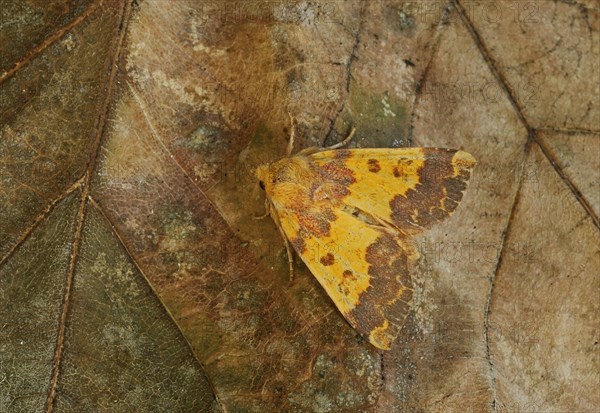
(134, 276)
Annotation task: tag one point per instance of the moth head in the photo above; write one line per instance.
(264, 175)
(283, 171)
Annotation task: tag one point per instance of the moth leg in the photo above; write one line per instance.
(344, 142)
(290, 145)
(289, 254)
(288, 249)
(267, 208)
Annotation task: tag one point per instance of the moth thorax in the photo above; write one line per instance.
(288, 170)
(295, 170)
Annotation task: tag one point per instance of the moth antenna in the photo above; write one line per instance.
(290, 145)
(344, 142)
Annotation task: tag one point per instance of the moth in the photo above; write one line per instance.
(350, 215)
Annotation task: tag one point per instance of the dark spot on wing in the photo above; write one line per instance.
(374, 165)
(328, 259)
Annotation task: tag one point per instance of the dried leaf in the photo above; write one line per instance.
(133, 275)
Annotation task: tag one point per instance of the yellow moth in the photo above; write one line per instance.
(350, 214)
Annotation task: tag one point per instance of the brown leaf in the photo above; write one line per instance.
(81, 328)
(134, 277)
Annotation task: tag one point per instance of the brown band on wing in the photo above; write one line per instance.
(336, 171)
(383, 307)
(316, 222)
(299, 245)
(436, 195)
(342, 153)
(328, 190)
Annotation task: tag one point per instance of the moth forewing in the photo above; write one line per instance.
(350, 215)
